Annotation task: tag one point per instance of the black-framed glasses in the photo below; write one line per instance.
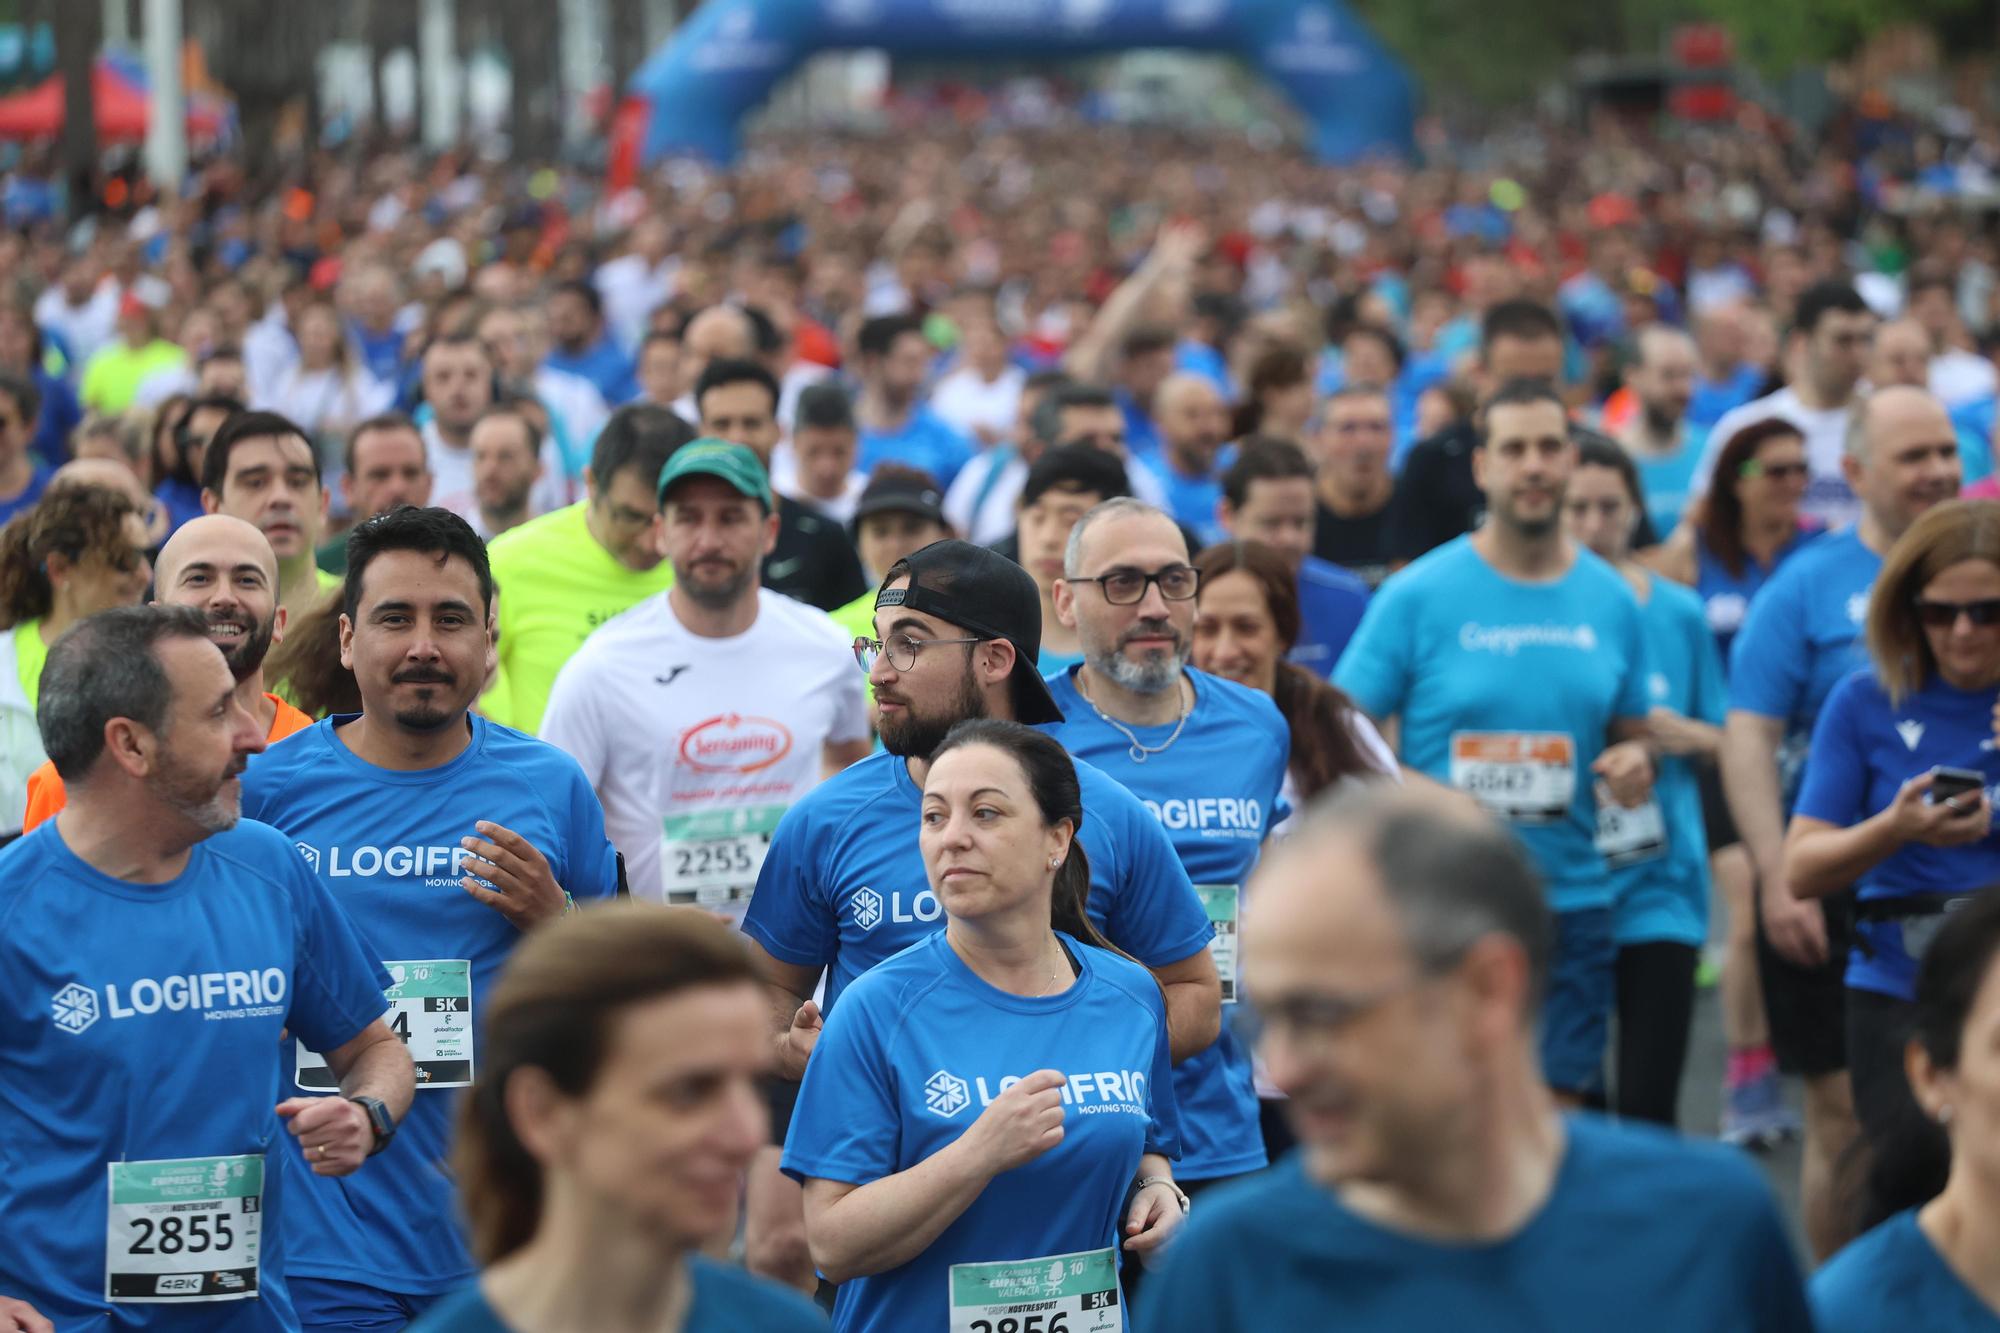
(1943, 615)
(900, 649)
(1124, 587)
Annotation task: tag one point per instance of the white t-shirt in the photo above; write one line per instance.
(1828, 496)
(1959, 377)
(985, 512)
(451, 477)
(785, 481)
(697, 746)
(966, 402)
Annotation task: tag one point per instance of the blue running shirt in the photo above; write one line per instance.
(1803, 632)
(385, 843)
(1216, 792)
(1863, 750)
(1508, 690)
(1894, 1277)
(137, 1026)
(725, 1299)
(908, 1063)
(843, 885)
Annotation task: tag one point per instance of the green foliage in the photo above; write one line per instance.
(1778, 36)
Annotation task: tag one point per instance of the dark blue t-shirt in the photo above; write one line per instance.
(1894, 1278)
(1331, 601)
(1643, 1233)
(725, 1300)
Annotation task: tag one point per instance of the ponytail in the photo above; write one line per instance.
(1070, 902)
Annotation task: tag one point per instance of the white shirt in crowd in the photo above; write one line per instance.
(631, 292)
(981, 504)
(697, 746)
(87, 328)
(326, 403)
(578, 403)
(1959, 377)
(785, 481)
(1828, 496)
(968, 402)
(451, 477)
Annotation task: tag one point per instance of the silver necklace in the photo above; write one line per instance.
(1139, 750)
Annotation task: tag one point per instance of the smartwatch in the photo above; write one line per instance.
(379, 1120)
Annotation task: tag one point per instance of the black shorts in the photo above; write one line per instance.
(1714, 810)
(781, 1095)
(1878, 1028)
(1806, 1007)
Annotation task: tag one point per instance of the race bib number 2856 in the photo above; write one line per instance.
(1064, 1293)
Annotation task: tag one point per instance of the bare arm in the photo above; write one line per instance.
(376, 1064)
(1750, 784)
(1823, 857)
(335, 1135)
(1193, 991)
(1174, 251)
(795, 1018)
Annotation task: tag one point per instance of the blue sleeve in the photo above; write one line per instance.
(847, 1125)
(1375, 667)
(786, 913)
(1768, 664)
(1836, 779)
(1152, 912)
(1163, 1131)
(593, 861)
(1709, 699)
(338, 981)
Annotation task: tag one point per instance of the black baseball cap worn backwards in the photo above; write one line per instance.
(988, 595)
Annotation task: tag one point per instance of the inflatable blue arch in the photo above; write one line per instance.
(727, 57)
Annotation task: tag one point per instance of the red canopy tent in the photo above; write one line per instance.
(122, 110)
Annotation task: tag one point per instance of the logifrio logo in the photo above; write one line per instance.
(1212, 816)
(867, 907)
(735, 744)
(219, 995)
(310, 853)
(870, 908)
(367, 862)
(1508, 640)
(945, 1094)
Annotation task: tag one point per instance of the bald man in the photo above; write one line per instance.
(224, 568)
(1193, 422)
(719, 333)
(1658, 437)
(1396, 950)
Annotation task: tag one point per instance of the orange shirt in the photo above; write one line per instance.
(46, 795)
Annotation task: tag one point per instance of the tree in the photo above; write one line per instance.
(530, 33)
(79, 31)
(267, 65)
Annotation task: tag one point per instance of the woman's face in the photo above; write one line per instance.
(105, 579)
(1235, 635)
(1773, 482)
(985, 847)
(1967, 653)
(663, 1136)
(1967, 1098)
(1598, 512)
(319, 336)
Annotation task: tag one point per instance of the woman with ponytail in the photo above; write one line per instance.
(1934, 1171)
(605, 1137)
(986, 1120)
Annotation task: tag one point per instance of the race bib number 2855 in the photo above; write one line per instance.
(184, 1230)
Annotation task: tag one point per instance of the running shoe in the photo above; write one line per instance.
(1754, 1113)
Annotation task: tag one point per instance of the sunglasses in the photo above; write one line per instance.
(1943, 615)
(1775, 471)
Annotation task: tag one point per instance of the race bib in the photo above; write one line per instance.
(1224, 902)
(711, 857)
(1528, 777)
(1629, 835)
(1065, 1293)
(430, 1008)
(184, 1230)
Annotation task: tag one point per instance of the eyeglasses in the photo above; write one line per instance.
(1310, 1018)
(1775, 471)
(901, 650)
(1943, 615)
(1125, 587)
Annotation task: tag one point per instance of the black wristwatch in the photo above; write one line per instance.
(379, 1120)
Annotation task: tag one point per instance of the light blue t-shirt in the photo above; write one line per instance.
(137, 1026)
(843, 884)
(1508, 690)
(385, 843)
(911, 1060)
(925, 442)
(1893, 1277)
(1216, 791)
(1863, 750)
(1663, 896)
(1667, 479)
(724, 1300)
(1331, 603)
(1643, 1232)
(1191, 500)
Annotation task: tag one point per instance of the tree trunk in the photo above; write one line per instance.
(266, 65)
(627, 40)
(531, 32)
(78, 33)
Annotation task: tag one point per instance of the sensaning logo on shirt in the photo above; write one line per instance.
(1507, 640)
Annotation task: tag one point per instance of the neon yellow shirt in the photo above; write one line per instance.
(111, 379)
(556, 586)
(30, 655)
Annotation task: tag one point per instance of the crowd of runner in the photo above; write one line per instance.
(1180, 731)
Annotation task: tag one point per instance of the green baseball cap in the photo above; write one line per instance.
(731, 463)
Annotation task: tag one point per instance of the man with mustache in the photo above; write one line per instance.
(156, 947)
(1513, 664)
(1206, 755)
(957, 629)
(223, 568)
(262, 468)
(444, 836)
